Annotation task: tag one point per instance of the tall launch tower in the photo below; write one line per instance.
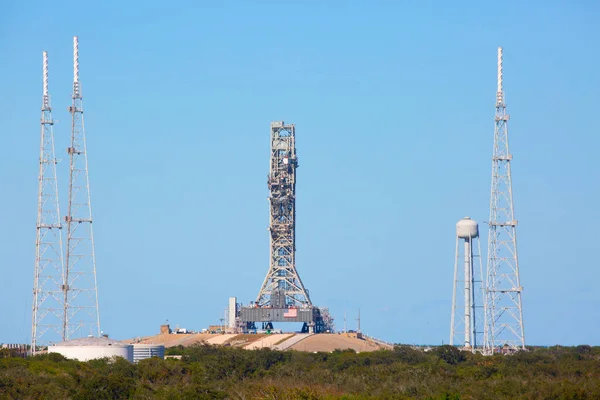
(472, 317)
(80, 288)
(47, 315)
(504, 320)
(282, 296)
(282, 286)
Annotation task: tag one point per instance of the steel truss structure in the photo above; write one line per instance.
(504, 330)
(282, 296)
(80, 291)
(282, 286)
(47, 313)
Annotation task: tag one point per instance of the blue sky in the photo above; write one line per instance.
(393, 105)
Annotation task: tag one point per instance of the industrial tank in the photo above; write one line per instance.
(143, 351)
(90, 348)
(467, 228)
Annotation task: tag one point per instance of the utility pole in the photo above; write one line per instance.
(80, 290)
(504, 312)
(47, 312)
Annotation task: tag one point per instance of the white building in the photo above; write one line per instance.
(90, 348)
(143, 351)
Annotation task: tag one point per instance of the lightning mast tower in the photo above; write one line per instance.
(471, 319)
(504, 319)
(81, 316)
(282, 286)
(47, 315)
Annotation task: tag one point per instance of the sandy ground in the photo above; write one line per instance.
(194, 339)
(268, 341)
(220, 339)
(289, 342)
(170, 340)
(330, 342)
(300, 342)
(242, 340)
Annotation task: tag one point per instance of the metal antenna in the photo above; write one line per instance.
(282, 283)
(47, 312)
(472, 317)
(504, 328)
(80, 290)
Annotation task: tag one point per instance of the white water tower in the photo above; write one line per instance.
(467, 309)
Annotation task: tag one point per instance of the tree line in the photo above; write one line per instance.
(210, 372)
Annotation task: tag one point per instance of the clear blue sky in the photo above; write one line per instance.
(393, 105)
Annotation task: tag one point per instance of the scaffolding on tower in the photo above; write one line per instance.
(283, 296)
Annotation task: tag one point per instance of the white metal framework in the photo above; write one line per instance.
(81, 292)
(47, 314)
(468, 310)
(504, 328)
(282, 286)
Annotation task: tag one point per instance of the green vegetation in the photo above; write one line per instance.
(206, 372)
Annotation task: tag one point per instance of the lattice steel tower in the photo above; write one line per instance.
(282, 286)
(47, 315)
(504, 319)
(80, 290)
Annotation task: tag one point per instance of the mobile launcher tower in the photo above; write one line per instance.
(282, 296)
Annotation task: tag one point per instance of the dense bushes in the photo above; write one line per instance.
(206, 372)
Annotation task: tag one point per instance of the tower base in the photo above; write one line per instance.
(311, 317)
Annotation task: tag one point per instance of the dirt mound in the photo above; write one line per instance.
(328, 342)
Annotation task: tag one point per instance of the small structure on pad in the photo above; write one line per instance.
(282, 296)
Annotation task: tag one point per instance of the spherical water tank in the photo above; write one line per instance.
(467, 228)
(143, 351)
(90, 348)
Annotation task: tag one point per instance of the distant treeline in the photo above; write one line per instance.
(207, 372)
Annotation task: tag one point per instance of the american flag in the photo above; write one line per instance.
(291, 313)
